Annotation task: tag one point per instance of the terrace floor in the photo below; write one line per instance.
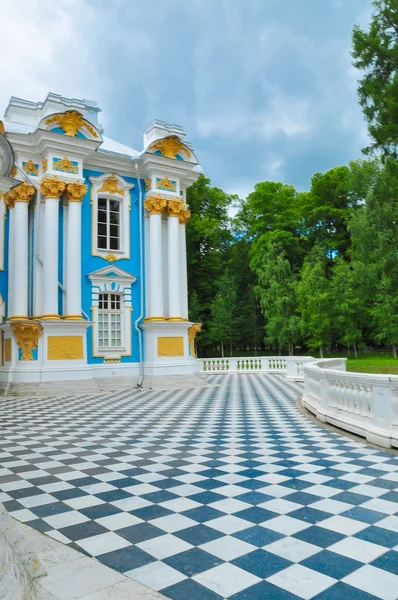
(226, 491)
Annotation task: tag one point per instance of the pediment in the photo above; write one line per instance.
(112, 272)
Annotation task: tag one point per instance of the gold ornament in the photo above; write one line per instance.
(30, 168)
(70, 122)
(166, 184)
(52, 187)
(111, 258)
(44, 164)
(2, 127)
(13, 171)
(192, 331)
(27, 337)
(175, 208)
(75, 191)
(169, 147)
(111, 185)
(184, 216)
(147, 184)
(65, 165)
(21, 193)
(155, 205)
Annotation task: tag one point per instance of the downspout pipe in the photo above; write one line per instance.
(141, 316)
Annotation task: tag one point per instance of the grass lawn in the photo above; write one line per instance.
(373, 364)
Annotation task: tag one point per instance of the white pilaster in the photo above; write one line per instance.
(183, 271)
(155, 206)
(75, 193)
(51, 190)
(173, 257)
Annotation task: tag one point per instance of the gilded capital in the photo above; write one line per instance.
(75, 191)
(27, 337)
(175, 208)
(155, 205)
(184, 216)
(52, 187)
(21, 193)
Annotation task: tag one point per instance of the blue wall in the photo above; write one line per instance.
(4, 274)
(92, 263)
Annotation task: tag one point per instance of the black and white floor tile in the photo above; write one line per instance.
(222, 492)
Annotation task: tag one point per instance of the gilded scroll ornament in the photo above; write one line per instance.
(169, 147)
(111, 257)
(44, 164)
(155, 205)
(147, 184)
(175, 208)
(65, 165)
(111, 185)
(184, 216)
(75, 191)
(21, 193)
(166, 184)
(52, 187)
(30, 167)
(27, 337)
(192, 331)
(13, 171)
(70, 123)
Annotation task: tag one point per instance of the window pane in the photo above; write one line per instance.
(101, 230)
(102, 242)
(102, 203)
(114, 205)
(114, 231)
(102, 216)
(113, 243)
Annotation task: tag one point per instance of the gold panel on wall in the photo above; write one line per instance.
(65, 347)
(170, 346)
(7, 350)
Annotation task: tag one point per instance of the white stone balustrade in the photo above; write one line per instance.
(291, 366)
(362, 403)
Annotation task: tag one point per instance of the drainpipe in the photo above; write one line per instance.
(136, 323)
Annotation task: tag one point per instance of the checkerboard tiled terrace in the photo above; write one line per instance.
(227, 491)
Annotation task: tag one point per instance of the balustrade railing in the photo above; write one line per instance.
(292, 366)
(361, 403)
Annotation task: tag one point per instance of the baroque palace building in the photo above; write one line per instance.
(93, 276)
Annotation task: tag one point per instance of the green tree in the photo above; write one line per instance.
(277, 293)
(375, 52)
(313, 293)
(222, 322)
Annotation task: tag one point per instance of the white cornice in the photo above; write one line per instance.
(41, 141)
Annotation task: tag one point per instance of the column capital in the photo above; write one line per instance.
(175, 208)
(75, 191)
(22, 193)
(184, 216)
(52, 187)
(155, 205)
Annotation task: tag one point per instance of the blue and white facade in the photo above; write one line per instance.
(93, 276)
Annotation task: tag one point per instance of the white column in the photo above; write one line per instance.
(18, 201)
(173, 264)
(73, 275)
(155, 207)
(183, 266)
(51, 190)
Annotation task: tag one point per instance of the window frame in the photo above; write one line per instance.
(109, 311)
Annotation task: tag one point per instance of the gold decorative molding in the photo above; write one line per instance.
(169, 147)
(175, 208)
(7, 350)
(44, 164)
(30, 168)
(75, 191)
(13, 171)
(155, 205)
(27, 337)
(65, 347)
(192, 331)
(21, 193)
(166, 184)
(111, 185)
(170, 346)
(184, 216)
(111, 360)
(65, 165)
(70, 123)
(52, 187)
(111, 258)
(2, 130)
(147, 184)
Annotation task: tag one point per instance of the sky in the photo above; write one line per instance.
(264, 89)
